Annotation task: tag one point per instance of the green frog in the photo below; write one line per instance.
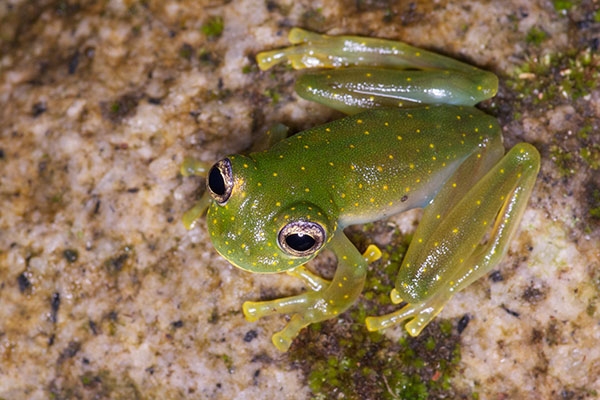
(412, 139)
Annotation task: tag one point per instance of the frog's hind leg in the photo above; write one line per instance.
(389, 73)
(326, 300)
(456, 253)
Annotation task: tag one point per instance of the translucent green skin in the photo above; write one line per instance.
(355, 170)
(444, 157)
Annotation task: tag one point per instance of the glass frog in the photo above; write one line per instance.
(412, 139)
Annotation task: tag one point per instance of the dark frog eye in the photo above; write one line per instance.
(301, 238)
(220, 181)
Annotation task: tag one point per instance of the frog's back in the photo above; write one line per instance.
(378, 162)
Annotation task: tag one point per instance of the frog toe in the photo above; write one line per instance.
(419, 314)
(251, 311)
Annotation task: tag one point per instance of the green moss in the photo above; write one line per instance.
(341, 359)
(562, 5)
(228, 363)
(536, 36)
(556, 78)
(213, 28)
(585, 131)
(591, 156)
(563, 160)
(273, 95)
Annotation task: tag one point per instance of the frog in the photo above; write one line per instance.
(412, 138)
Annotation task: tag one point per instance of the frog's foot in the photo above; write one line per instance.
(326, 300)
(307, 308)
(192, 166)
(421, 314)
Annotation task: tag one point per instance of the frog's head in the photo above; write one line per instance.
(260, 227)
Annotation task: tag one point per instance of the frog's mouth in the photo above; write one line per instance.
(259, 267)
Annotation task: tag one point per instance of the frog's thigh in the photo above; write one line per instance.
(352, 90)
(315, 306)
(497, 202)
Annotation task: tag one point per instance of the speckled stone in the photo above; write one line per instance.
(104, 294)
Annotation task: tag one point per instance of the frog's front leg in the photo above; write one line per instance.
(328, 300)
(190, 167)
(450, 250)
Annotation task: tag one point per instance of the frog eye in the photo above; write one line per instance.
(301, 238)
(220, 181)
